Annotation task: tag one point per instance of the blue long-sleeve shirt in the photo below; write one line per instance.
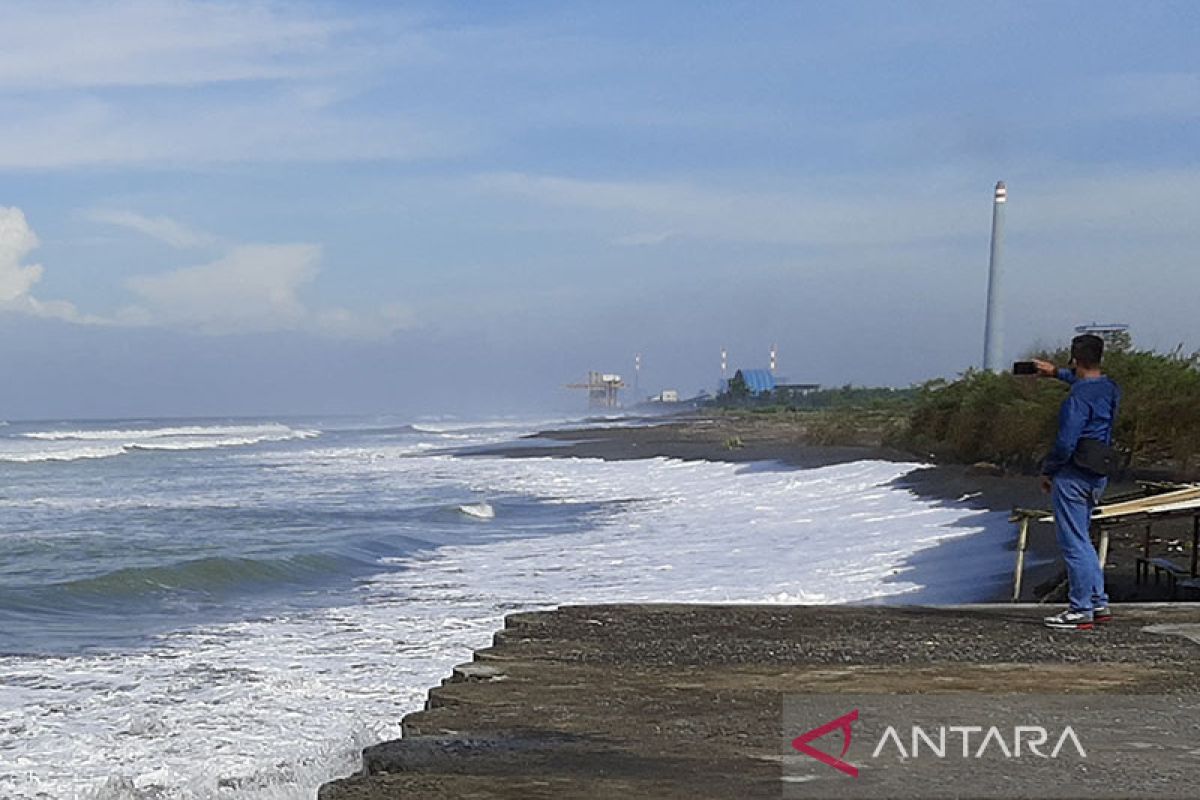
(1089, 412)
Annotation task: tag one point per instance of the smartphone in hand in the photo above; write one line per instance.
(1024, 368)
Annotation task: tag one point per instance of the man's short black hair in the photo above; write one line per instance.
(1087, 350)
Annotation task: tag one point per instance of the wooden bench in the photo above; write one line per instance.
(1187, 583)
(1160, 565)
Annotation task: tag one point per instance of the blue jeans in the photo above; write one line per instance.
(1075, 494)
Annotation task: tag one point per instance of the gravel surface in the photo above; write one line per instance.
(673, 701)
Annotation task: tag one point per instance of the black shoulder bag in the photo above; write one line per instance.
(1096, 458)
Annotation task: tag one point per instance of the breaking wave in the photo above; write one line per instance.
(259, 432)
(73, 445)
(478, 510)
(211, 577)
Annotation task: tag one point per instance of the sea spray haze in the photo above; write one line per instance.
(233, 608)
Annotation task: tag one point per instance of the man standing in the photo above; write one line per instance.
(1071, 475)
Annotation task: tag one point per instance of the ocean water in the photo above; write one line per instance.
(234, 608)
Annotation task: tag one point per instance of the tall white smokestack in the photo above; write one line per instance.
(993, 340)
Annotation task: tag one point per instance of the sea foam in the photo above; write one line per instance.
(269, 708)
(73, 445)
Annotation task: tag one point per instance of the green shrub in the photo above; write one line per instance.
(1012, 421)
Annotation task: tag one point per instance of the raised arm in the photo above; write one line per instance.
(1048, 370)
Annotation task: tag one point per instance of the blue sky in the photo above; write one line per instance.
(232, 207)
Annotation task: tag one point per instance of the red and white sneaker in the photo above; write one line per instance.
(1070, 621)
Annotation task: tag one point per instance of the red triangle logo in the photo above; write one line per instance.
(842, 724)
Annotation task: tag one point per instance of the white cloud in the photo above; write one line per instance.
(17, 239)
(888, 209)
(182, 82)
(17, 280)
(252, 288)
(162, 228)
(77, 44)
(272, 128)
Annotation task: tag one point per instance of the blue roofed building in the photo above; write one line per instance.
(758, 381)
(762, 385)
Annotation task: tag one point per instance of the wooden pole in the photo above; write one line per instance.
(1195, 540)
(1022, 538)
(1143, 566)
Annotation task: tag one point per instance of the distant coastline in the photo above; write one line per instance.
(742, 438)
(698, 436)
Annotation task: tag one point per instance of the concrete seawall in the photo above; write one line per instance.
(685, 701)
